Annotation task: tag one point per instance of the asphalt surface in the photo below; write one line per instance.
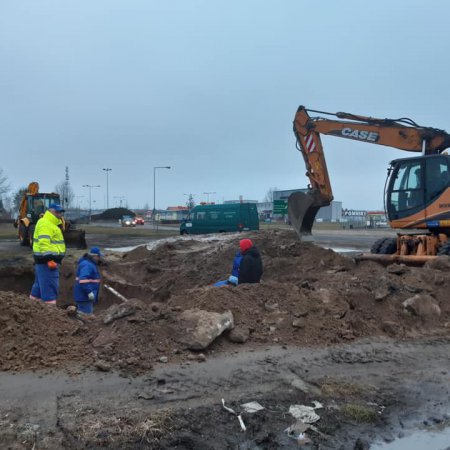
(338, 240)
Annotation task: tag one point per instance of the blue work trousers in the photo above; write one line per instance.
(46, 283)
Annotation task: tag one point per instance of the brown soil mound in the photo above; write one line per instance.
(34, 335)
(308, 296)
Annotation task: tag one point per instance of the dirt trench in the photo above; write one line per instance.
(309, 298)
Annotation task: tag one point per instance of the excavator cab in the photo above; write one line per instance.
(417, 194)
(37, 204)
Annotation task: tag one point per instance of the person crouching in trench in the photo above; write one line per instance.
(87, 283)
(247, 265)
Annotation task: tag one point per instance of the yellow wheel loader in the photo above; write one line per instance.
(32, 207)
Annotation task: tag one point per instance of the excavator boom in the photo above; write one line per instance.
(402, 133)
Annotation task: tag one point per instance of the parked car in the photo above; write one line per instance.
(139, 220)
(128, 221)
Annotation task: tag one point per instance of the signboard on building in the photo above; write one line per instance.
(280, 207)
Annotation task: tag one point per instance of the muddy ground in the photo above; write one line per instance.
(318, 328)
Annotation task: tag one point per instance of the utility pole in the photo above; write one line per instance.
(190, 202)
(154, 188)
(107, 187)
(90, 186)
(120, 198)
(207, 193)
(65, 199)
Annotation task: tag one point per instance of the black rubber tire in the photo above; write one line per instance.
(183, 233)
(376, 246)
(389, 247)
(23, 235)
(444, 250)
(384, 246)
(31, 234)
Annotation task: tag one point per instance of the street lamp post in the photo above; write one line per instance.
(90, 186)
(207, 193)
(120, 198)
(154, 188)
(77, 199)
(107, 187)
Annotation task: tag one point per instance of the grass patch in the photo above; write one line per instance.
(98, 430)
(359, 413)
(331, 388)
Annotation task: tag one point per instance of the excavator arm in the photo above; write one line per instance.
(403, 134)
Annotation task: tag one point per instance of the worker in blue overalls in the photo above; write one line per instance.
(233, 278)
(87, 283)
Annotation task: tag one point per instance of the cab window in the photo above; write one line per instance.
(407, 188)
(437, 177)
(200, 215)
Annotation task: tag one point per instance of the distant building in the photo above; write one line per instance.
(174, 214)
(227, 202)
(330, 213)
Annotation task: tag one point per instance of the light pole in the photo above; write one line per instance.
(154, 187)
(107, 187)
(120, 200)
(77, 198)
(90, 186)
(207, 193)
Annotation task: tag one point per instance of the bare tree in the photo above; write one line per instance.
(65, 191)
(4, 185)
(17, 197)
(269, 194)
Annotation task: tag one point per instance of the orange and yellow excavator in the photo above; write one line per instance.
(32, 207)
(417, 189)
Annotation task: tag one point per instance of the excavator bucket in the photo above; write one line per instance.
(302, 210)
(75, 238)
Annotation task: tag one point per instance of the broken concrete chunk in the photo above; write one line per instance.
(298, 323)
(239, 335)
(104, 338)
(397, 269)
(202, 327)
(422, 305)
(118, 311)
(381, 294)
(103, 366)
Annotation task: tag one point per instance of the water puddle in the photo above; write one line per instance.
(343, 249)
(420, 440)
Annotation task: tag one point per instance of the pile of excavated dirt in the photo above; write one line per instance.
(308, 296)
(35, 336)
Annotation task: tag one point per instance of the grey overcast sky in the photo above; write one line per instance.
(210, 88)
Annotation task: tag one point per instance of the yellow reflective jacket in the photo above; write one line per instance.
(48, 240)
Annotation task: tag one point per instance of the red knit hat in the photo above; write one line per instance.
(245, 244)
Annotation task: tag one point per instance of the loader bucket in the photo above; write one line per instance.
(302, 210)
(75, 239)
